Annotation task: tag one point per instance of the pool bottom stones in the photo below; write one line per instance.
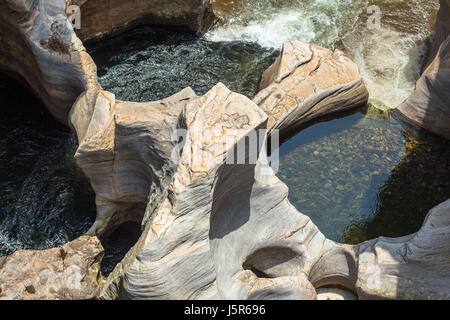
(364, 175)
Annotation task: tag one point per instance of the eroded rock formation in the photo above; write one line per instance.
(69, 272)
(307, 82)
(106, 17)
(125, 149)
(213, 227)
(38, 45)
(428, 106)
(223, 223)
(411, 267)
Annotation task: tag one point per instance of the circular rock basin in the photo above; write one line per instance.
(151, 63)
(45, 199)
(364, 175)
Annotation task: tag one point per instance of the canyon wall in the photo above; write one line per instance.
(100, 18)
(38, 46)
(428, 106)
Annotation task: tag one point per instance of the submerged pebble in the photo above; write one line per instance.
(365, 176)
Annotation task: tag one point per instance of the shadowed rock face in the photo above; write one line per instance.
(106, 17)
(441, 32)
(410, 267)
(69, 272)
(307, 82)
(428, 106)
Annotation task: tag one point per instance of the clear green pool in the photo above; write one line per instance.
(364, 175)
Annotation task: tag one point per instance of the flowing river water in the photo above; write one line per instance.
(45, 199)
(388, 53)
(357, 176)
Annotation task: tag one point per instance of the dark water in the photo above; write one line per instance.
(118, 243)
(358, 177)
(364, 176)
(45, 199)
(150, 63)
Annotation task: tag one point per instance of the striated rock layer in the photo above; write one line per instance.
(105, 17)
(222, 224)
(126, 151)
(228, 231)
(307, 82)
(217, 221)
(428, 106)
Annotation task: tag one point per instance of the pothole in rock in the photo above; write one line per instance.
(363, 175)
(117, 245)
(45, 199)
(151, 63)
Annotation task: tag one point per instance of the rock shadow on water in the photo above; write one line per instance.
(418, 183)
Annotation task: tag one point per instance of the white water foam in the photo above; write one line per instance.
(388, 59)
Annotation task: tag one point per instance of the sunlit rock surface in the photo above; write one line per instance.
(428, 106)
(223, 225)
(69, 272)
(126, 151)
(212, 229)
(105, 17)
(307, 82)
